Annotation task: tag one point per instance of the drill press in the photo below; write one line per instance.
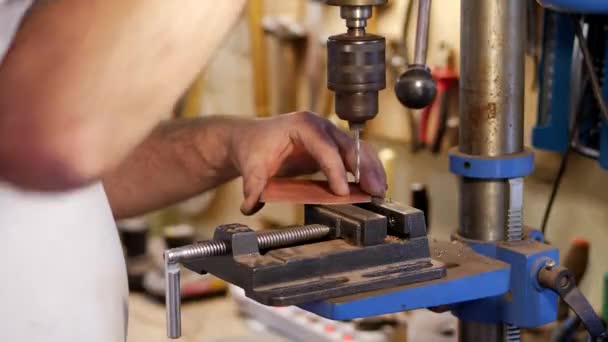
(363, 260)
(356, 67)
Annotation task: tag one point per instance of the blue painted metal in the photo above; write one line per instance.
(527, 304)
(434, 293)
(554, 109)
(535, 234)
(509, 166)
(577, 6)
(510, 294)
(552, 128)
(604, 124)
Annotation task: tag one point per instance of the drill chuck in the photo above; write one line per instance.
(356, 72)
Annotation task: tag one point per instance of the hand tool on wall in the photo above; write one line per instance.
(356, 67)
(399, 60)
(433, 124)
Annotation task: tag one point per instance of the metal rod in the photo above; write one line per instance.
(422, 31)
(491, 121)
(483, 209)
(492, 77)
(357, 154)
(173, 299)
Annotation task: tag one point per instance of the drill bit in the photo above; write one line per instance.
(357, 132)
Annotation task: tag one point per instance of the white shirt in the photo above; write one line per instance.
(63, 272)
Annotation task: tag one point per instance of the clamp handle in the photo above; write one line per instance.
(416, 88)
(561, 280)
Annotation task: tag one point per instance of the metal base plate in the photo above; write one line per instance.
(353, 282)
(323, 270)
(469, 276)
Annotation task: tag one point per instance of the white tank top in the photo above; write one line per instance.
(63, 276)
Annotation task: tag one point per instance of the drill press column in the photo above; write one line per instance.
(491, 120)
(356, 67)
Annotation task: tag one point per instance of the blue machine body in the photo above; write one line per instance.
(552, 128)
(555, 107)
(512, 166)
(577, 6)
(527, 304)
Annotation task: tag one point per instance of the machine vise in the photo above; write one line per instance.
(351, 249)
(352, 261)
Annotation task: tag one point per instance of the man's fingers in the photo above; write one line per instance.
(373, 177)
(323, 149)
(254, 182)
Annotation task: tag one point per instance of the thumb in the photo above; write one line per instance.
(254, 182)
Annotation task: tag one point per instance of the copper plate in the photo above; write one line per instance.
(303, 191)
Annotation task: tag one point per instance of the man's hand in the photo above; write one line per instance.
(295, 144)
(183, 158)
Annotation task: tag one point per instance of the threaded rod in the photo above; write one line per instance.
(290, 236)
(265, 239)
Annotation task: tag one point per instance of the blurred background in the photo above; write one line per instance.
(273, 62)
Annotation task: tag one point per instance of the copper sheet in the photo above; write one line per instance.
(303, 191)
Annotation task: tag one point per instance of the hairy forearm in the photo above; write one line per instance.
(88, 80)
(178, 160)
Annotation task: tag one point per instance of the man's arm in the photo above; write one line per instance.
(180, 159)
(85, 81)
(183, 158)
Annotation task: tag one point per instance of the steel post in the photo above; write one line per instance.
(491, 120)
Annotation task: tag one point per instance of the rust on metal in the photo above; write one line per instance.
(302, 191)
